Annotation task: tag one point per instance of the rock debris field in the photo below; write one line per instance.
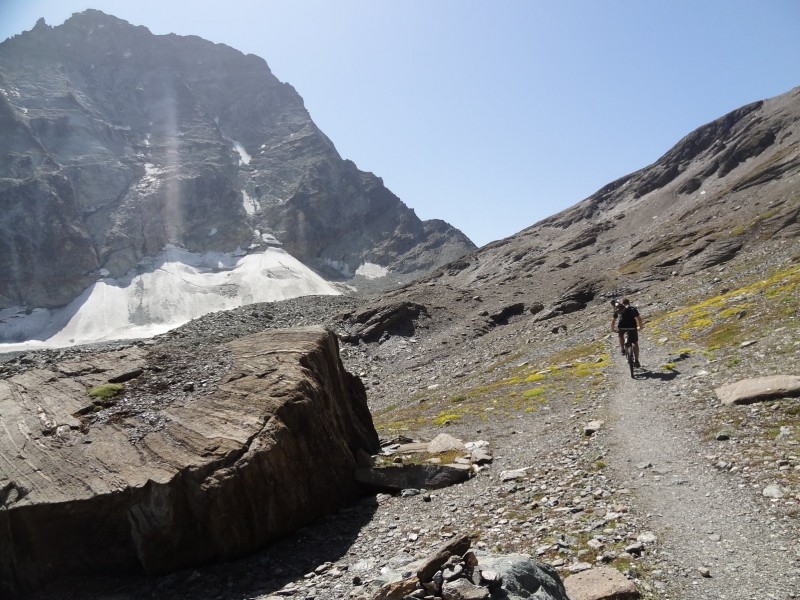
(653, 477)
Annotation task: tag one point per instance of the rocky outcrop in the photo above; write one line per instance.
(127, 141)
(214, 474)
(373, 322)
(759, 389)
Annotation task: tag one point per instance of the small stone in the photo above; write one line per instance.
(635, 549)
(491, 579)
(465, 590)
(512, 475)
(579, 567)
(647, 537)
(595, 544)
(774, 491)
(704, 571)
(592, 427)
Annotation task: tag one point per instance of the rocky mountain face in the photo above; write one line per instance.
(116, 142)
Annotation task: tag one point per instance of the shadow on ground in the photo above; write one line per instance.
(661, 376)
(262, 573)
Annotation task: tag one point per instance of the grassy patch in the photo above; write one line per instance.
(504, 389)
(723, 321)
(533, 393)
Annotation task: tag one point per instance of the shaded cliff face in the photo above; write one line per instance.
(116, 142)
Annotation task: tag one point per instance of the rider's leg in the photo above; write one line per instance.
(622, 343)
(636, 351)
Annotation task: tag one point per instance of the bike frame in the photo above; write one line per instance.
(625, 331)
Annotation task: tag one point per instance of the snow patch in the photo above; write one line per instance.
(127, 54)
(251, 205)
(244, 157)
(213, 231)
(171, 288)
(270, 239)
(372, 271)
(150, 181)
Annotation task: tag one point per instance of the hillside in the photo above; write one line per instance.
(655, 476)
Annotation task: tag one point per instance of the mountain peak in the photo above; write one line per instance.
(131, 142)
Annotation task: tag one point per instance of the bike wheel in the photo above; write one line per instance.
(629, 353)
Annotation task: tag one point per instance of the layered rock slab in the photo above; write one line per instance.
(270, 449)
(748, 391)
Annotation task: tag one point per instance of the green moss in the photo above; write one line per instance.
(106, 391)
(699, 323)
(443, 418)
(535, 377)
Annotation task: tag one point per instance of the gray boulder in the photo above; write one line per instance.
(523, 578)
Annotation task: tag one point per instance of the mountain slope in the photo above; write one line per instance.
(730, 186)
(116, 142)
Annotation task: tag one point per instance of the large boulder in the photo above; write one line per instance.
(272, 448)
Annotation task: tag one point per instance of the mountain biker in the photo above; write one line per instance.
(627, 317)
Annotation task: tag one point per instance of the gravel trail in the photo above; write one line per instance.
(716, 539)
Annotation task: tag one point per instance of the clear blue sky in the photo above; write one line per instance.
(492, 115)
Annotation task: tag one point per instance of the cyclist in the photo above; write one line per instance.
(627, 317)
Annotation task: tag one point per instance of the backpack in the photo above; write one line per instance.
(627, 317)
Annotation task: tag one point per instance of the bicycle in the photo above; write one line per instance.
(629, 347)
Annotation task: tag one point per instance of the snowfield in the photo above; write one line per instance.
(168, 290)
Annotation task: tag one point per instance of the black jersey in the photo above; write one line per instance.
(626, 318)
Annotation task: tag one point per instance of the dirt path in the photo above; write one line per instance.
(702, 518)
